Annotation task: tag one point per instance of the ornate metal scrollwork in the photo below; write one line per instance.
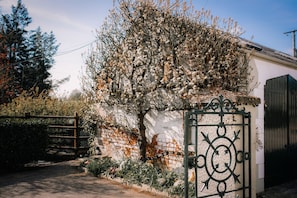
(221, 149)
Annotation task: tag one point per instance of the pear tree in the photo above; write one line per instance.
(160, 54)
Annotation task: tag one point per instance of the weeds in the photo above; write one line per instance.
(139, 173)
(100, 166)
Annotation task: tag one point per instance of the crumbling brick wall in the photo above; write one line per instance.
(118, 136)
(164, 146)
(118, 143)
(164, 153)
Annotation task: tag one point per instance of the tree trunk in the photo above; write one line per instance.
(142, 139)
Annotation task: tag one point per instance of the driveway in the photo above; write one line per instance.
(286, 190)
(64, 179)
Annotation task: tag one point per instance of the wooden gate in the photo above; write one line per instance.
(280, 130)
(66, 136)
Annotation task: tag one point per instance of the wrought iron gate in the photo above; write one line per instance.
(218, 150)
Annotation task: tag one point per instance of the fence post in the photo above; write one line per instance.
(75, 132)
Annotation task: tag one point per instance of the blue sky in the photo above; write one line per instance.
(264, 21)
(74, 23)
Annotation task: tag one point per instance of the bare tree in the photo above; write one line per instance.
(158, 55)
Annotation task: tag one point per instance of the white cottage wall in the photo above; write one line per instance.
(168, 125)
(263, 69)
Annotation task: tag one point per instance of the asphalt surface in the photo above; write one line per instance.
(64, 179)
(286, 190)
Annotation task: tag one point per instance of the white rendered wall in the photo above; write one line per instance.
(167, 124)
(263, 70)
(167, 127)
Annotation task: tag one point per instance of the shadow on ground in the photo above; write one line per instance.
(63, 179)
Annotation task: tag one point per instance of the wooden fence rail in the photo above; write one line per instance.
(66, 136)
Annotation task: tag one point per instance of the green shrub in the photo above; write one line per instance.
(100, 166)
(137, 172)
(179, 190)
(169, 179)
(37, 103)
(22, 142)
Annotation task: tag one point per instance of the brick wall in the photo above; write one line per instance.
(119, 144)
(164, 136)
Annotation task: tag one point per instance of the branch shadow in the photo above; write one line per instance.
(60, 179)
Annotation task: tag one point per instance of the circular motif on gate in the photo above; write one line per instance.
(221, 131)
(200, 161)
(221, 188)
(220, 159)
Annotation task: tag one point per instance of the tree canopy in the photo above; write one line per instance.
(161, 54)
(153, 54)
(27, 54)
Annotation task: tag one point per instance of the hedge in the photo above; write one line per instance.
(22, 142)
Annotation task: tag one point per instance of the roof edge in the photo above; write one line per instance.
(267, 53)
